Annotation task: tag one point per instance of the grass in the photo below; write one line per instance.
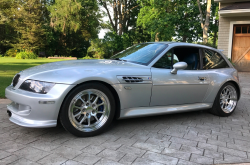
(11, 66)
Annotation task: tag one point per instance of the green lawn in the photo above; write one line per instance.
(11, 66)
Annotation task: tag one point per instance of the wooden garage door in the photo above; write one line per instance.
(241, 47)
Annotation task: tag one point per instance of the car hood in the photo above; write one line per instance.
(90, 64)
(70, 71)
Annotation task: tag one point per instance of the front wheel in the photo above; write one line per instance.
(88, 110)
(226, 100)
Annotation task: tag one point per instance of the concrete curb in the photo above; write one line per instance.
(5, 101)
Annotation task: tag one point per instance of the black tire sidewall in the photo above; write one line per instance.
(217, 108)
(64, 118)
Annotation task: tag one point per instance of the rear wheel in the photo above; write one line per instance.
(226, 100)
(88, 110)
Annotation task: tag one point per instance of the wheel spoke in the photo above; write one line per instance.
(77, 107)
(96, 118)
(100, 112)
(95, 100)
(100, 104)
(88, 121)
(224, 105)
(82, 100)
(84, 118)
(79, 113)
(233, 99)
(89, 95)
(221, 95)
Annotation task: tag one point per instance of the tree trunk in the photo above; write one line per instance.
(157, 37)
(115, 15)
(206, 25)
(215, 34)
(184, 38)
(120, 18)
(205, 29)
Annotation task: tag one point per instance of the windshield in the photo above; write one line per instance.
(141, 53)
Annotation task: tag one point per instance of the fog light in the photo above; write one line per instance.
(9, 113)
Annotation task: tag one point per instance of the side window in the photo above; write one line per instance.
(190, 55)
(213, 60)
(165, 61)
(175, 59)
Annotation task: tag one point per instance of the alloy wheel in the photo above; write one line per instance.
(89, 110)
(228, 99)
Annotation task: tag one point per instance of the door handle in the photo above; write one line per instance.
(202, 78)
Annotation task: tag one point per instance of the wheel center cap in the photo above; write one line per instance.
(88, 109)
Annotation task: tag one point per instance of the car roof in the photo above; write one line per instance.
(186, 44)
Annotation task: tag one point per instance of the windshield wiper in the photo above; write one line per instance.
(119, 59)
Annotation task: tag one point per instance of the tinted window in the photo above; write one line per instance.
(165, 61)
(213, 60)
(141, 53)
(190, 55)
(176, 59)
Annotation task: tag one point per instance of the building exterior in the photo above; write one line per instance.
(234, 32)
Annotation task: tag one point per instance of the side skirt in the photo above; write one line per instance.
(158, 110)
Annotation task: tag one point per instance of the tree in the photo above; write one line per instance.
(26, 17)
(124, 14)
(74, 23)
(155, 17)
(97, 49)
(170, 20)
(8, 35)
(214, 23)
(205, 24)
(185, 20)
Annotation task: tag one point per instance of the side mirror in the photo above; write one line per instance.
(178, 66)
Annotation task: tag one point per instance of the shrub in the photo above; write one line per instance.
(88, 57)
(11, 52)
(229, 59)
(26, 55)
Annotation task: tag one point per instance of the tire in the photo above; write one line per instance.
(226, 100)
(88, 110)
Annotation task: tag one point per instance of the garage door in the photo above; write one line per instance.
(241, 47)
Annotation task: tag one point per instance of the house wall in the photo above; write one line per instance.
(224, 28)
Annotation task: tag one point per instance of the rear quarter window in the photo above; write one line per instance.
(213, 60)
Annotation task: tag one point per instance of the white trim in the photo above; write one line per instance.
(227, 1)
(234, 13)
(230, 42)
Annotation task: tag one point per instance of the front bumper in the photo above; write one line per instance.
(29, 109)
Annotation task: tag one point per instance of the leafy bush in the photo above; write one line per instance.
(229, 59)
(208, 44)
(11, 52)
(87, 57)
(26, 55)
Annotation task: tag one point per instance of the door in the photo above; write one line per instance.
(186, 87)
(241, 47)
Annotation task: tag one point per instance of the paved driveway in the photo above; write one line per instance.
(186, 138)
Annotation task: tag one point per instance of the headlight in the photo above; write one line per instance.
(36, 86)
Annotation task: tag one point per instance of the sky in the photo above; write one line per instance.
(105, 19)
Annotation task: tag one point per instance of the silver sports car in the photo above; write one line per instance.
(145, 79)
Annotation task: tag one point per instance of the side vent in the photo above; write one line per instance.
(135, 79)
(132, 79)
